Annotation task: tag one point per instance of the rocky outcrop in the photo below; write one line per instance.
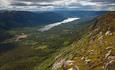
(58, 64)
(109, 60)
(65, 64)
(22, 36)
(70, 65)
(108, 33)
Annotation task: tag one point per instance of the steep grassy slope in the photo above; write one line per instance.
(94, 51)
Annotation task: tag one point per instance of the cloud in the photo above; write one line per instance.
(5, 3)
(42, 5)
(50, 26)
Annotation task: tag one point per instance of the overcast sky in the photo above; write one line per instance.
(44, 5)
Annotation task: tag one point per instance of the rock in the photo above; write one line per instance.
(100, 33)
(91, 51)
(100, 38)
(19, 37)
(70, 65)
(87, 61)
(82, 58)
(110, 60)
(58, 64)
(108, 33)
(110, 65)
(111, 57)
(107, 54)
(70, 69)
(73, 68)
(109, 48)
(96, 30)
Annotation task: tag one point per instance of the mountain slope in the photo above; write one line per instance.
(21, 19)
(61, 48)
(38, 48)
(94, 51)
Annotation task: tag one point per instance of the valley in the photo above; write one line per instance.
(83, 44)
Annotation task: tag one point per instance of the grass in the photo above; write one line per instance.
(39, 49)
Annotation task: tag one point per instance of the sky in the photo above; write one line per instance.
(46, 5)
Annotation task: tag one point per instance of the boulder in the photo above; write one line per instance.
(108, 33)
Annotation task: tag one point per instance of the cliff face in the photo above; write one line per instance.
(95, 51)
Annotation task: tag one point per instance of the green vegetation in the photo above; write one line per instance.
(35, 50)
(96, 49)
(87, 45)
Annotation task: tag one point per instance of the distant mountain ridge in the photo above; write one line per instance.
(12, 19)
(82, 14)
(9, 19)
